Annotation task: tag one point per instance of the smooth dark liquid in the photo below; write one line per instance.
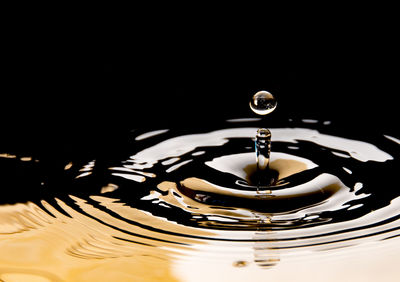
(189, 200)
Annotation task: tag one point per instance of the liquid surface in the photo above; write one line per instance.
(184, 206)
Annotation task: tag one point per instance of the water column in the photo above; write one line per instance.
(263, 149)
(263, 103)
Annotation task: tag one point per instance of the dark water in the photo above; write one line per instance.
(189, 196)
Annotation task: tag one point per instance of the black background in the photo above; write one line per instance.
(81, 87)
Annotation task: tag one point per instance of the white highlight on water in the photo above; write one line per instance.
(235, 163)
(170, 161)
(341, 155)
(243, 120)
(392, 139)
(150, 134)
(180, 145)
(178, 165)
(309, 120)
(347, 170)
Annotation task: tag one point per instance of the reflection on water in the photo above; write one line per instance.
(85, 243)
(183, 207)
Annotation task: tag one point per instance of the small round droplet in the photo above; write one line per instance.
(263, 133)
(263, 103)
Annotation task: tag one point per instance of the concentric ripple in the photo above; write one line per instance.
(179, 194)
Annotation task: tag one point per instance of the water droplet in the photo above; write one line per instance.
(263, 103)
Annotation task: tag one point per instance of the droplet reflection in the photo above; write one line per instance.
(263, 103)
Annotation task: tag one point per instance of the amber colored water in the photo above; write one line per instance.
(184, 206)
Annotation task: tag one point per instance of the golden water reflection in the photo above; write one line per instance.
(59, 243)
(49, 245)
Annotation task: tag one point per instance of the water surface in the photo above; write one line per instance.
(182, 205)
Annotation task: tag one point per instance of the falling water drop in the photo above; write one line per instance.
(263, 103)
